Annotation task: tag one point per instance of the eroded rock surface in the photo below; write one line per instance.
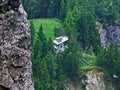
(91, 80)
(108, 34)
(15, 61)
(113, 34)
(95, 80)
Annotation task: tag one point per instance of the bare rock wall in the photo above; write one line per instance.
(15, 61)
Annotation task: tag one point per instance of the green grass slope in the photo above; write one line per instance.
(48, 26)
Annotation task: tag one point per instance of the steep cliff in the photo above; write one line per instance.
(15, 61)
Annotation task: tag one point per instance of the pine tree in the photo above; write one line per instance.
(54, 8)
(69, 21)
(60, 71)
(41, 8)
(63, 10)
(51, 66)
(32, 27)
(43, 75)
(73, 45)
(41, 35)
(72, 65)
(59, 32)
(37, 49)
(43, 40)
(50, 46)
(109, 59)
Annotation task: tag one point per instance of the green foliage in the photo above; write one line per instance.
(54, 8)
(43, 75)
(37, 48)
(63, 10)
(90, 59)
(106, 11)
(109, 59)
(59, 32)
(54, 68)
(39, 44)
(48, 25)
(69, 21)
(32, 27)
(41, 35)
(85, 25)
(79, 24)
(50, 45)
(72, 65)
(60, 70)
(73, 45)
(51, 66)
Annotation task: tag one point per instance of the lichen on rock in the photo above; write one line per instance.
(15, 61)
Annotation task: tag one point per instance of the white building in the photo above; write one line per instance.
(59, 46)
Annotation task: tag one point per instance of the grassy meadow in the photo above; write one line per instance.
(48, 26)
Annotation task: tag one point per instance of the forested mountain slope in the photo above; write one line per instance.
(87, 23)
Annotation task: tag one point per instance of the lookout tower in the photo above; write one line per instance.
(59, 46)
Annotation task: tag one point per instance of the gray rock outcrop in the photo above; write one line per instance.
(93, 80)
(96, 81)
(15, 61)
(111, 33)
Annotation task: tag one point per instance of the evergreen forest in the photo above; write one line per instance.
(77, 20)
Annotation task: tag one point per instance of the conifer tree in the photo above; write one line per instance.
(50, 46)
(32, 27)
(59, 32)
(109, 59)
(51, 66)
(72, 65)
(44, 77)
(60, 71)
(37, 49)
(63, 10)
(69, 21)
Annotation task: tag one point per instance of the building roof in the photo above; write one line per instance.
(61, 39)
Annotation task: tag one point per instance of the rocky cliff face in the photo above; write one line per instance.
(113, 34)
(15, 61)
(110, 33)
(96, 81)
